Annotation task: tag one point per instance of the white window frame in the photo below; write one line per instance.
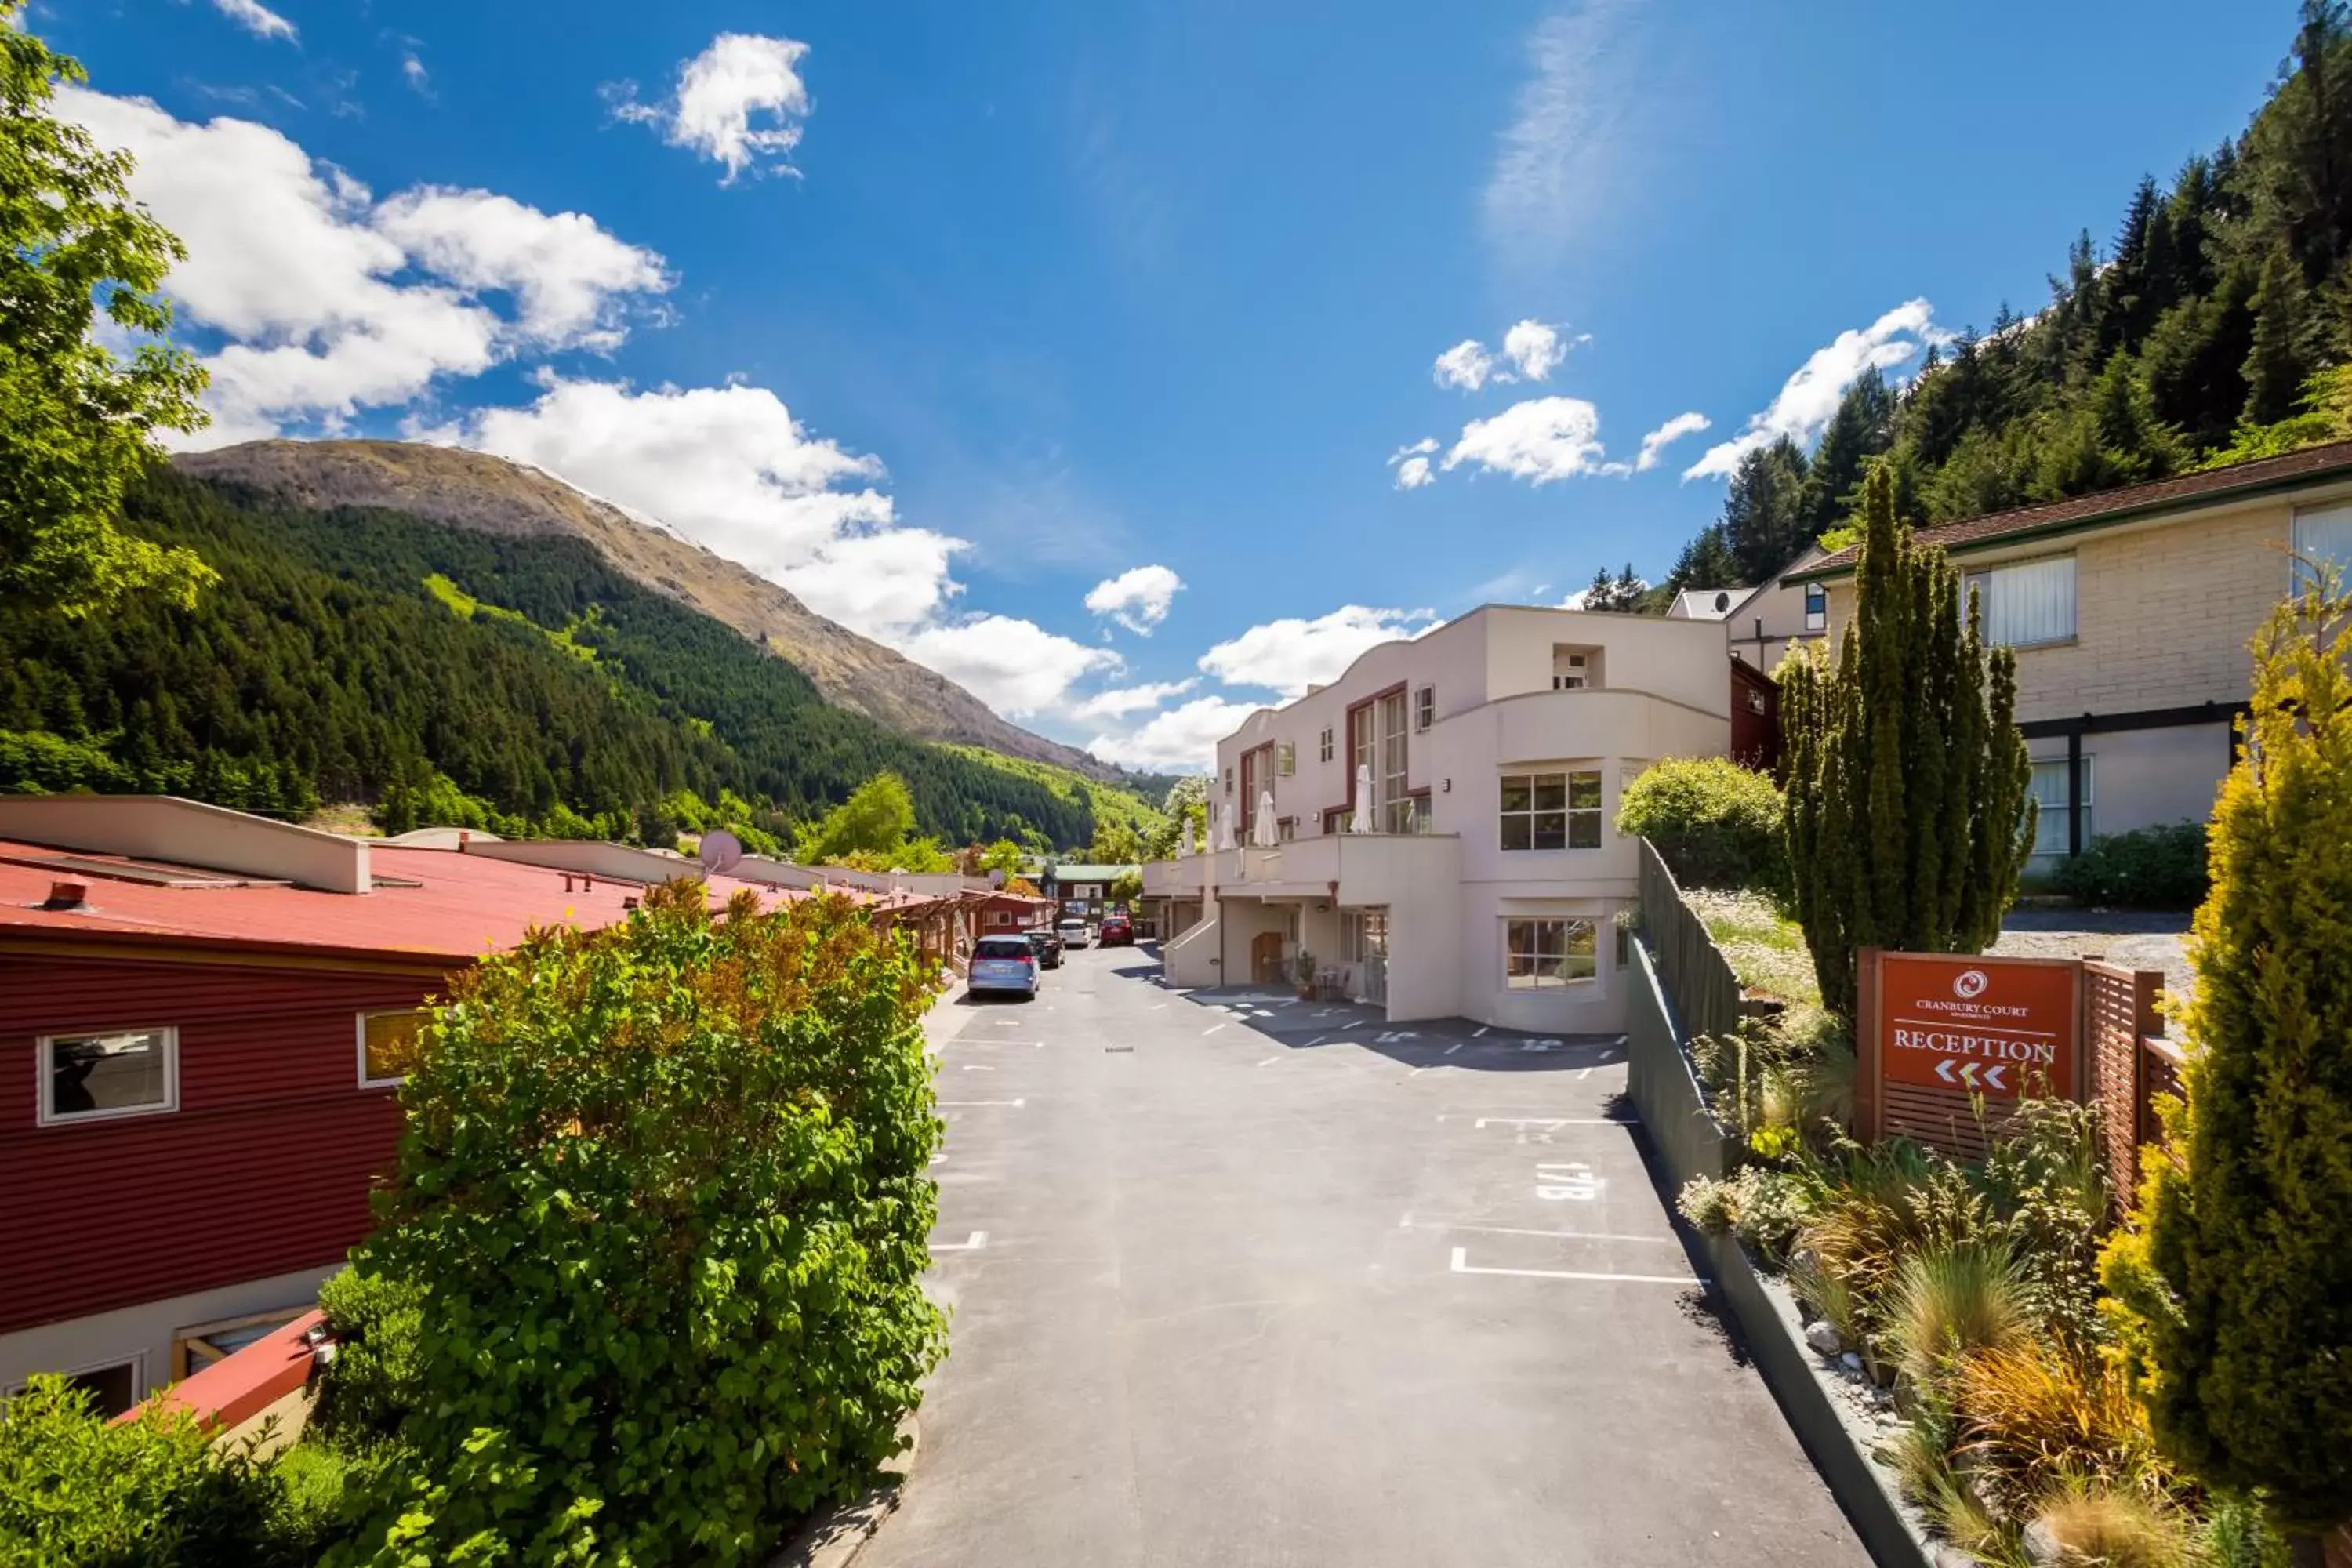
(2087, 807)
(136, 1360)
(2301, 577)
(1424, 710)
(1537, 982)
(1577, 673)
(44, 1071)
(1981, 579)
(1817, 607)
(359, 1039)
(1568, 812)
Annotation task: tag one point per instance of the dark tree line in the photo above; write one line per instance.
(2202, 333)
(322, 669)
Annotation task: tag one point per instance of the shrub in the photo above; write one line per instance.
(2094, 1528)
(1951, 1301)
(2034, 1416)
(1716, 823)
(1710, 1206)
(1765, 1208)
(150, 1493)
(371, 1383)
(2146, 868)
(662, 1198)
(2238, 1282)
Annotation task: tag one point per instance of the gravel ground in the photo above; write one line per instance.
(2132, 937)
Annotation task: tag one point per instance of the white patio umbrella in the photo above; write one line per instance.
(1262, 831)
(1185, 844)
(1362, 821)
(1225, 827)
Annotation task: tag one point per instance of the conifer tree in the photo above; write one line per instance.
(1906, 814)
(2236, 1283)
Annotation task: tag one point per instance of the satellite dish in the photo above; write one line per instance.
(721, 850)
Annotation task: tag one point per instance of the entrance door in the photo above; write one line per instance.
(1364, 943)
(1266, 958)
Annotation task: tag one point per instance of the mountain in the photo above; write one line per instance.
(490, 495)
(513, 681)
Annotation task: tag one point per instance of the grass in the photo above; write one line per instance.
(464, 606)
(1765, 948)
(1112, 804)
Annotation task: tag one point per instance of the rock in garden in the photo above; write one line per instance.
(1950, 1556)
(2042, 1546)
(1825, 1337)
(1852, 1363)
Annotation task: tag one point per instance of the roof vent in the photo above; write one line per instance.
(67, 896)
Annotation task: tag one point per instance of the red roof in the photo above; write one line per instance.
(459, 907)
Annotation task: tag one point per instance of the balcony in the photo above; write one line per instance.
(1354, 868)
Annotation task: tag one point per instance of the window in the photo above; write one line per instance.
(2048, 787)
(1229, 781)
(1551, 811)
(1424, 708)
(1363, 934)
(113, 1389)
(2029, 603)
(88, 1078)
(1574, 668)
(2323, 537)
(1285, 760)
(1538, 955)
(1325, 745)
(388, 1046)
(1396, 806)
(1004, 947)
(1817, 607)
(1285, 828)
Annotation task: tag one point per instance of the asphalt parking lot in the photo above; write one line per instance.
(1243, 1280)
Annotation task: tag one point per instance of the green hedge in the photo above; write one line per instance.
(78, 1491)
(2146, 868)
(1716, 823)
(663, 1200)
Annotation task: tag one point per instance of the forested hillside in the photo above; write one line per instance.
(2212, 328)
(517, 683)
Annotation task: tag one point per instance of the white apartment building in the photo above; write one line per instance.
(1437, 827)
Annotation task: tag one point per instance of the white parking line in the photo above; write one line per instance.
(959, 1104)
(1409, 1223)
(1462, 1266)
(1478, 1032)
(1211, 1030)
(975, 1067)
(1457, 1046)
(1485, 1121)
(975, 1242)
(1316, 1041)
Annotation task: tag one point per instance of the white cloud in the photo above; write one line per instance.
(256, 18)
(1536, 349)
(412, 70)
(1138, 598)
(1540, 439)
(570, 276)
(1291, 655)
(1183, 738)
(1809, 396)
(719, 91)
(731, 469)
(1411, 464)
(1555, 162)
(1466, 366)
(330, 304)
(1666, 435)
(1119, 701)
(1016, 667)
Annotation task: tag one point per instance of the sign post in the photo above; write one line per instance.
(1950, 1042)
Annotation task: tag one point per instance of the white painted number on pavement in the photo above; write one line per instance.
(1573, 1180)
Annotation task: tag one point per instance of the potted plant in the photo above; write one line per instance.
(1303, 968)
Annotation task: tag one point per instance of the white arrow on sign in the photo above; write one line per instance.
(1992, 1076)
(1970, 1073)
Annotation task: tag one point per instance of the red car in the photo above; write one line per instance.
(1116, 931)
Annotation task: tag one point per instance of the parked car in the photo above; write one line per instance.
(1004, 963)
(1117, 931)
(1073, 932)
(1048, 947)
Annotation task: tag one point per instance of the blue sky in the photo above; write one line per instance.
(955, 318)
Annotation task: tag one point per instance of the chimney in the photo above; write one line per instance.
(67, 896)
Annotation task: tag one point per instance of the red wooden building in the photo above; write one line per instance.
(201, 1014)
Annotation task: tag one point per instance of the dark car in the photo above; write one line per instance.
(1048, 947)
(1117, 931)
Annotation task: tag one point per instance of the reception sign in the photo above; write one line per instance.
(1944, 1032)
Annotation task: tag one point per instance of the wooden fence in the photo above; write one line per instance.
(1696, 976)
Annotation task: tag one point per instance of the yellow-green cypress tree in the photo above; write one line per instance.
(2236, 1283)
(1906, 812)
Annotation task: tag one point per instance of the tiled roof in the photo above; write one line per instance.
(2106, 507)
(430, 904)
(1070, 872)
